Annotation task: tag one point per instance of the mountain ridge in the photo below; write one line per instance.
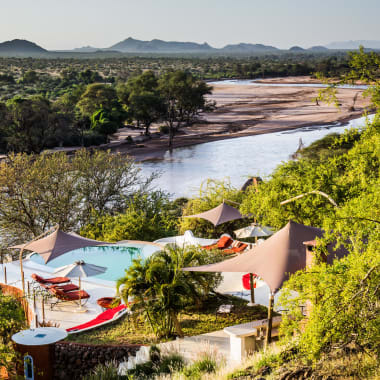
(22, 47)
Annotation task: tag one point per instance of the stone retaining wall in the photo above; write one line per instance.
(74, 360)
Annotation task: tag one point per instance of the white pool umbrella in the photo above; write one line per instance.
(79, 269)
(253, 230)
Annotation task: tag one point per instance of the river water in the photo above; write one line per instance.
(184, 169)
(253, 82)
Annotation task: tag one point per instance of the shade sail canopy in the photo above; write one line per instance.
(79, 269)
(58, 243)
(220, 214)
(254, 230)
(275, 259)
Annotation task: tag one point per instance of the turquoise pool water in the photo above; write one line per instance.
(115, 258)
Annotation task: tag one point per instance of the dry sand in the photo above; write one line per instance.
(244, 110)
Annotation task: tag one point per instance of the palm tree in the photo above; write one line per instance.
(161, 290)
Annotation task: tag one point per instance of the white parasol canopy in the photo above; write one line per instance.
(253, 230)
(80, 269)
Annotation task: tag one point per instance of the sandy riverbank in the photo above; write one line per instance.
(244, 110)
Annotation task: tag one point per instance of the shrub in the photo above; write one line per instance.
(164, 129)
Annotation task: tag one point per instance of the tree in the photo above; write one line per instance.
(184, 98)
(142, 99)
(28, 124)
(147, 217)
(160, 289)
(41, 191)
(100, 103)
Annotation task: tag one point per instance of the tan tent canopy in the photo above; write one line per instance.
(58, 243)
(218, 215)
(274, 260)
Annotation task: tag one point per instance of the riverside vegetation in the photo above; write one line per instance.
(340, 338)
(46, 103)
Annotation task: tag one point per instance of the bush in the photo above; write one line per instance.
(164, 129)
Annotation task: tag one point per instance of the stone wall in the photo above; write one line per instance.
(73, 360)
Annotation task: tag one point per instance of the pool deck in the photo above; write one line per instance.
(66, 314)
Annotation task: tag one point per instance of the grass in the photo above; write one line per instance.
(193, 322)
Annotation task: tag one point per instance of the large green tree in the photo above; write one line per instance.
(142, 99)
(100, 103)
(184, 98)
(28, 124)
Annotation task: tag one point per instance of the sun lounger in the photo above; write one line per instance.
(222, 243)
(108, 316)
(64, 288)
(240, 247)
(75, 296)
(52, 281)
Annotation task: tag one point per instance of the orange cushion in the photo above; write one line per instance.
(241, 248)
(224, 242)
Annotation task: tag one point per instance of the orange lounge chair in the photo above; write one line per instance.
(222, 243)
(237, 249)
(75, 296)
(65, 288)
(52, 281)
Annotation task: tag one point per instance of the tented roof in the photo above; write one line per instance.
(58, 243)
(275, 259)
(218, 215)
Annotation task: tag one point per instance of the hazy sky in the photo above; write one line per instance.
(66, 24)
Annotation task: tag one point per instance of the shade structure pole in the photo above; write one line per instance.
(252, 285)
(268, 336)
(22, 272)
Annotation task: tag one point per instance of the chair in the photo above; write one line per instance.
(65, 288)
(75, 296)
(240, 247)
(52, 281)
(224, 242)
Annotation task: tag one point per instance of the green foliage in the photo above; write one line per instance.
(211, 194)
(40, 191)
(147, 217)
(159, 364)
(342, 177)
(12, 320)
(28, 124)
(183, 97)
(196, 370)
(161, 290)
(107, 371)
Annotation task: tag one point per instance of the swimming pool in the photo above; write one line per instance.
(116, 258)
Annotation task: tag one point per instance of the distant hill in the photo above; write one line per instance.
(130, 45)
(296, 49)
(248, 48)
(318, 48)
(21, 48)
(351, 45)
(86, 49)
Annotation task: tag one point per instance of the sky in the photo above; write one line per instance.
(67, 24)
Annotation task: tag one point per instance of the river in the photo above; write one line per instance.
(184, 169)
